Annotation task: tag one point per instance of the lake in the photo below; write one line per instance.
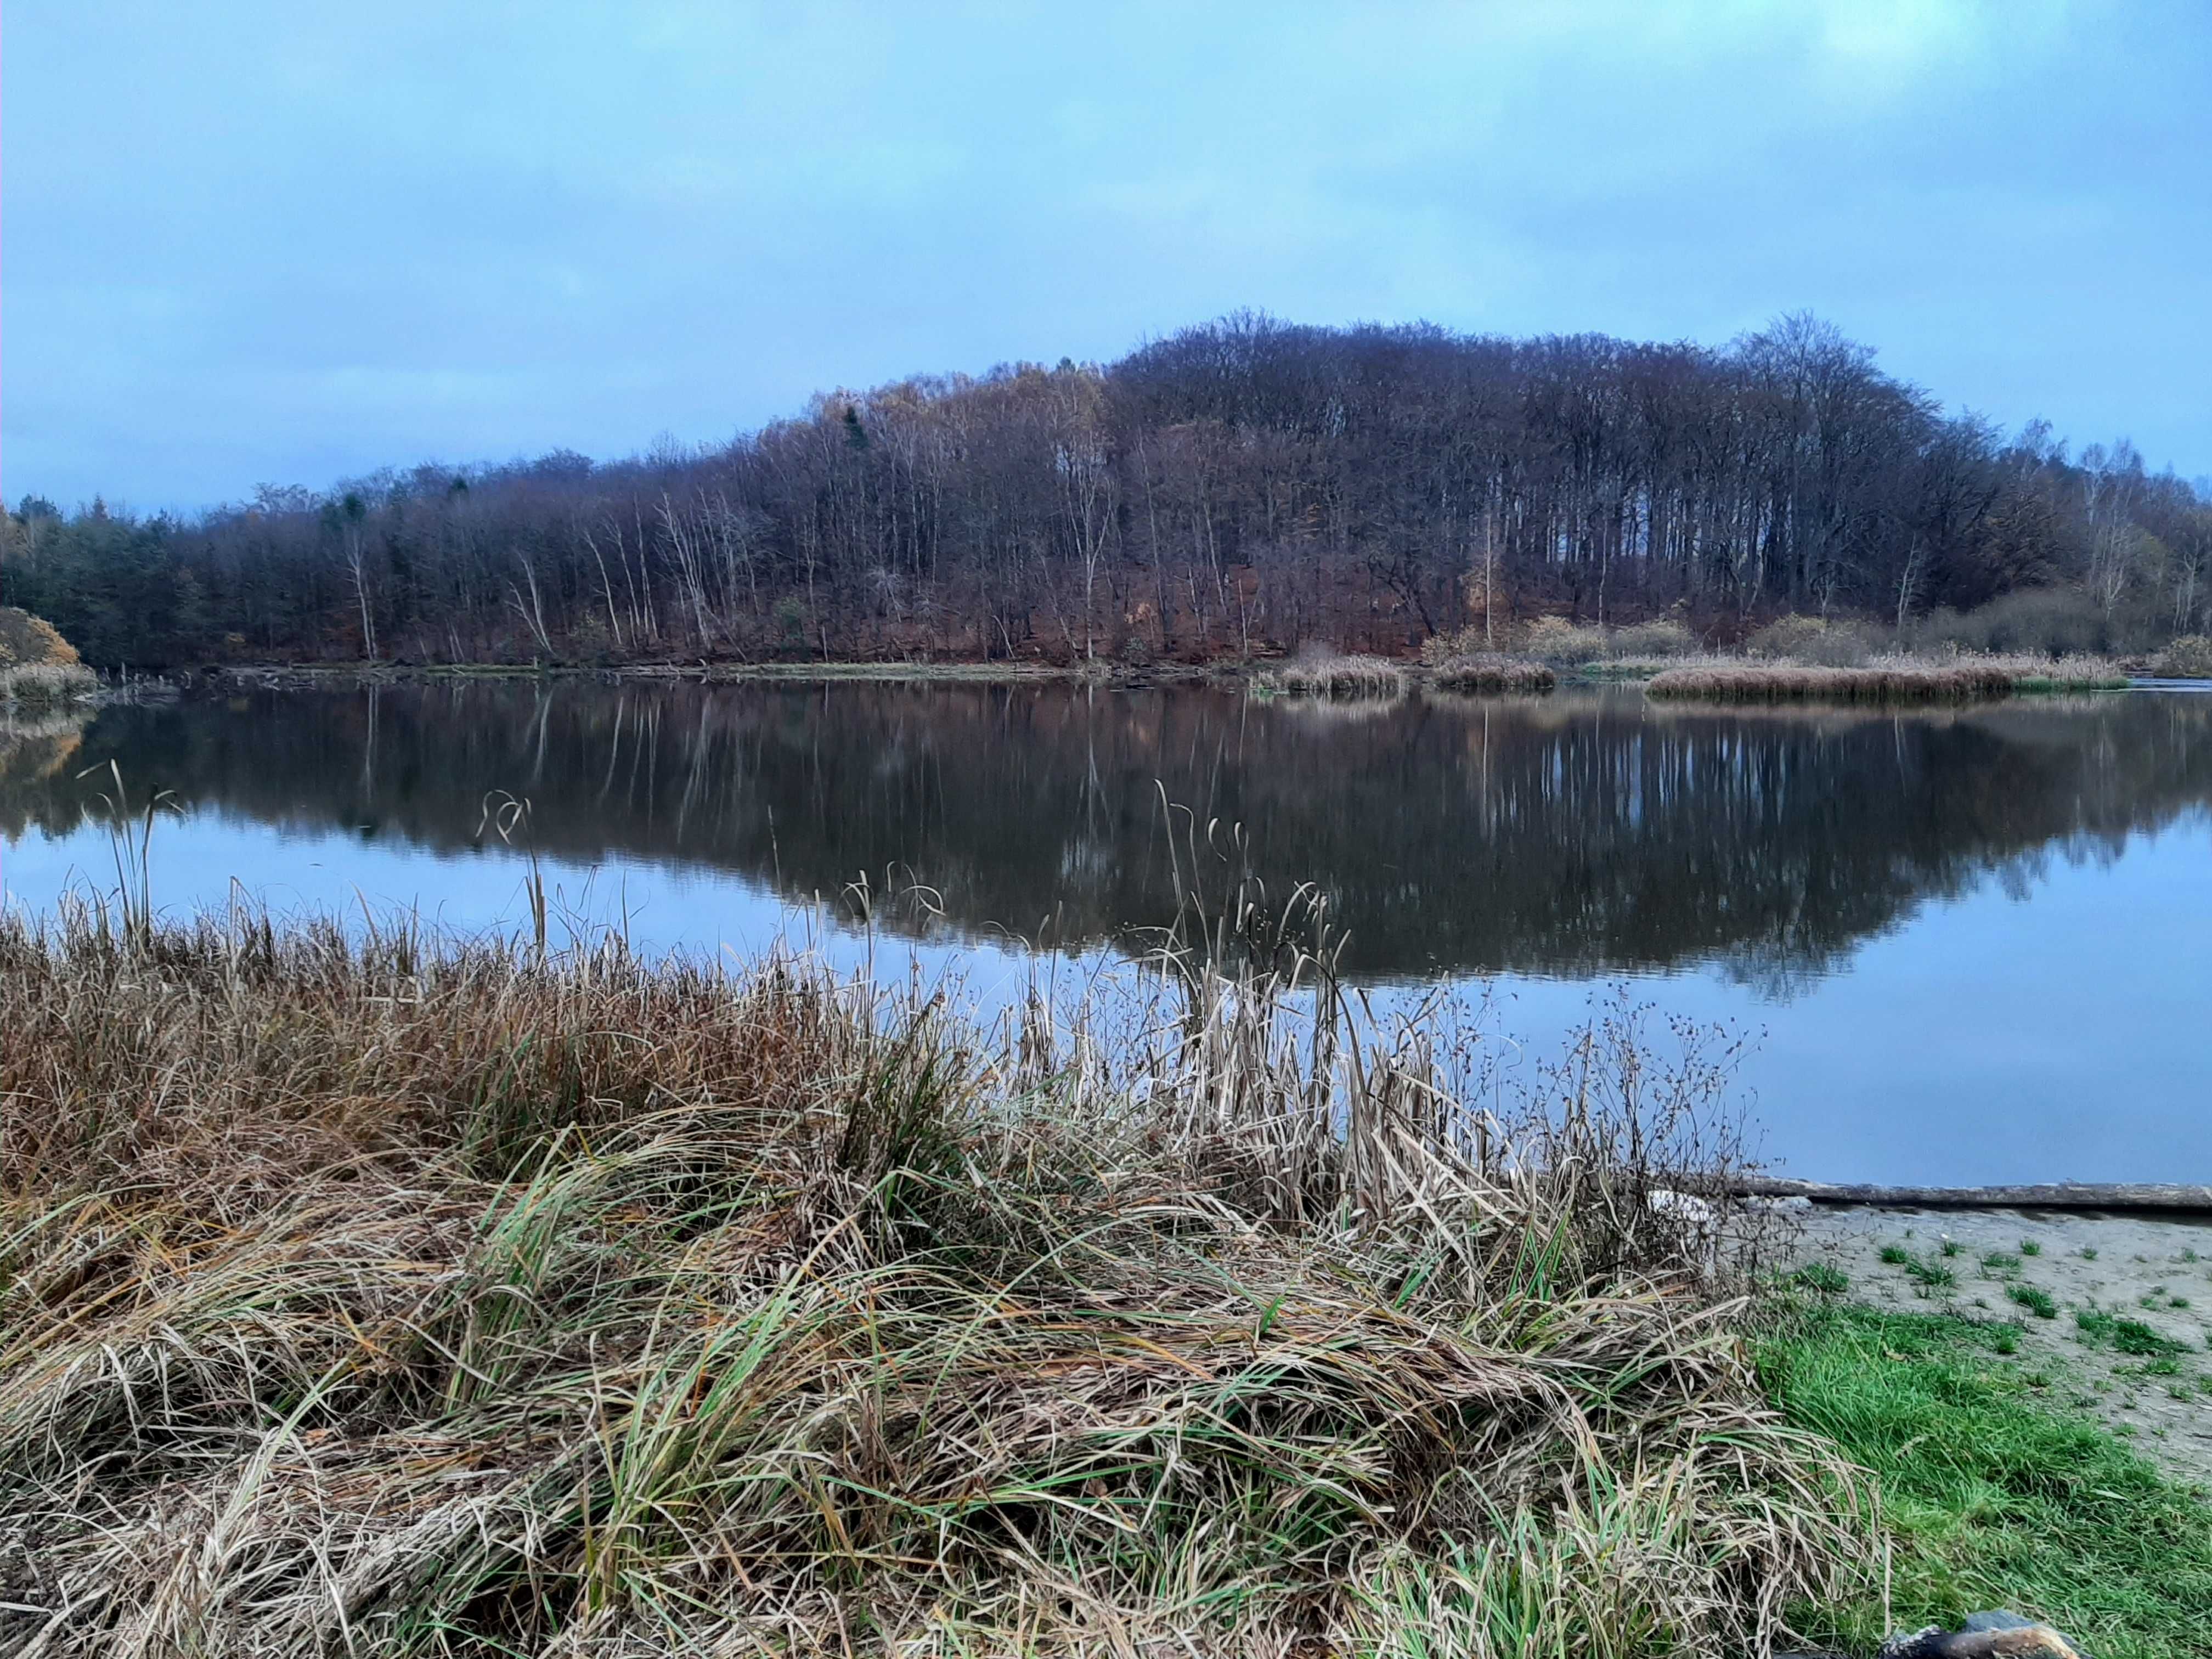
(1970, 945)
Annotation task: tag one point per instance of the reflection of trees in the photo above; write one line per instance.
(1576, 834)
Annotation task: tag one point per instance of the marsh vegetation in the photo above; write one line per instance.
(394, 1293)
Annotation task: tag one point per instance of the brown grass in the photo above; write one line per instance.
(1494, 673)
(29, 641)
(393, 1294)
(2189, 657)
(1777, 683)
(46, 685)
(1327, 674)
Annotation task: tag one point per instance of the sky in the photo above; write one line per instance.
(262, 241)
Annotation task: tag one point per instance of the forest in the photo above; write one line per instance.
(1237, 489)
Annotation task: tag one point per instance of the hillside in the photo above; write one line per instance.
(1237, 489)
(29, 641)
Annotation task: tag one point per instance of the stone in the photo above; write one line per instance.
(1984, 1635)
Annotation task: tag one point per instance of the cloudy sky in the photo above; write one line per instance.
(269, 241)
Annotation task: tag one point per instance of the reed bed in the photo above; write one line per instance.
(1327, 674)
(1960, 678)
(369, 1292)
(1777, 683)
(46, 685)
(1492, 672)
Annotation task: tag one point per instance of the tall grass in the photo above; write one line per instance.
(1494, 673)
(46, 685)
(1330, 674)
(373, 1291)
(1778, 682)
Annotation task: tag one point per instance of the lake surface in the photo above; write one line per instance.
(1971, 946)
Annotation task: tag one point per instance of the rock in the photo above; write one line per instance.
(1698, 1212)
(1984, 1635)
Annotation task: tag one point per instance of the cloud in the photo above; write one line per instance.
(262, 240)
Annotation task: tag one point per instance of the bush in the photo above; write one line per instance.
(1813, 639)
(1663, 637)
(2044, 622)
(2189, 657)
(1556, 639)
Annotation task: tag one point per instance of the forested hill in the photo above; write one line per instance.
(1247, 484)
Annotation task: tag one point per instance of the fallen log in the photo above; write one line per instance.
(2060, 1196)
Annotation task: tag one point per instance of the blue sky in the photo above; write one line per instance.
(289, 242)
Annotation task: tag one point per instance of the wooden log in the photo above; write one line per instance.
(2061, 1195)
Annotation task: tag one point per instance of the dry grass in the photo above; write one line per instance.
(46, 685)
(1494, 673)
(2189, 657)
(1779, 682)
(38, 669)
(1328, 674)
(1961, 679)
(27, 641)
(397, 1295)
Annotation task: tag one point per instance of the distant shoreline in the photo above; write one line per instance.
(1225, 672)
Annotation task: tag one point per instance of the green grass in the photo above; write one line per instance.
(2128, 1335)
(1931, 1275)
(2029, 1247)
(1825, 1276)
(1993, 1498)
(2037, 1301)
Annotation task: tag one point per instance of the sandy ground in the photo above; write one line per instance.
(2155, 1272)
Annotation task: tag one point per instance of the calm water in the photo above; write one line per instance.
(1973, 946)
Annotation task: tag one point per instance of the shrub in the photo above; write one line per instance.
(2189, 657)
(1556, 639)
(1664, 637)
(1812, 639)
(2045, 622)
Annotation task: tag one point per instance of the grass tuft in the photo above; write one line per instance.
(2037, 1301)
(2130, 1336)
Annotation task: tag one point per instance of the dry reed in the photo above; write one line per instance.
(1777, 683)
(46, 685)
(1326, 674)
(1486, 672)
(377, 1292)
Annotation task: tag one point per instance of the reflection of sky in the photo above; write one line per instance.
(2057, 1035)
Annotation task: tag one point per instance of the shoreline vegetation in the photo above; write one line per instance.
(40, 670)
(1793, 659)
(374, 1291)
(368, 1289)
(1325, 675)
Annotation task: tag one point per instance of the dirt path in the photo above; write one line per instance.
(2114, 1312)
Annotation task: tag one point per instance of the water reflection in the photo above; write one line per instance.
(1579, 835)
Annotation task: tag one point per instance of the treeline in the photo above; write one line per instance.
(1243, 486)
